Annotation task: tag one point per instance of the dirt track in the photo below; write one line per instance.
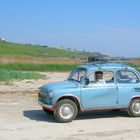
(31, 86)
(21, 118)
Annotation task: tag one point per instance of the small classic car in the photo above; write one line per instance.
(89, 87)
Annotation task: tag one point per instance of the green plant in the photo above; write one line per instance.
(7, 75)
(38, 67)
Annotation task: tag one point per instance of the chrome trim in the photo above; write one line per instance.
(137, 89)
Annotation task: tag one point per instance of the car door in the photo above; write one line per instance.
(128, 83)
(101, 94)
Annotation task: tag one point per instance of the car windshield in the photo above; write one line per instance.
(77, 74)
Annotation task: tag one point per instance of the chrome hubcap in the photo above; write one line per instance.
(66, 111)
(136, 107)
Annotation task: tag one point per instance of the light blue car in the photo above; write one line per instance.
(93, 87)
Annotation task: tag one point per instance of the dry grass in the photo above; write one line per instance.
(34, 60)
(135, 61)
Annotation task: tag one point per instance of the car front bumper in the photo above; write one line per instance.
(48, 107)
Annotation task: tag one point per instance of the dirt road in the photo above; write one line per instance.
(31, 85)
(21, 118)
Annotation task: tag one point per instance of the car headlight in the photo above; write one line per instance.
(50, 94)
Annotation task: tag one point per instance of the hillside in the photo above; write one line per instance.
(13, 49)
(26, 57)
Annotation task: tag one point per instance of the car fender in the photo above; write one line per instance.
(71, 97)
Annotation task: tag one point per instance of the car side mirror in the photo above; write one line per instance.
(86, 81)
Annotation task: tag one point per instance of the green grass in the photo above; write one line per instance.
(136, 66)
(13, 49)
(45, 67)
(8, 75)
(38, 67)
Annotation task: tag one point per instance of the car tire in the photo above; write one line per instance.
(134, 108)
(66, 111)
(115, 110)
(47, 111)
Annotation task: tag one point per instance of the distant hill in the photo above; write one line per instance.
(15, 49)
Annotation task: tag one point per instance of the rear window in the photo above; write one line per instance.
(125, 76)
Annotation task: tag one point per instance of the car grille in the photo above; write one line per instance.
(44, 98)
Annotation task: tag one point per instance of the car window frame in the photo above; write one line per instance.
(83, 76)
(103, 70)
(127, 70)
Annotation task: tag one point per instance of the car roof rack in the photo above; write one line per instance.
(103, 60)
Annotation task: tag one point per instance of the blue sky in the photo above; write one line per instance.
(111, 27)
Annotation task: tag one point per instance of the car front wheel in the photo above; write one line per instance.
(66, 110)
(134, 108)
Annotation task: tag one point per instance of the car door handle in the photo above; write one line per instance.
(85, 86)
(137, 89)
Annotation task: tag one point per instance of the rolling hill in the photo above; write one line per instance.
(14, 56)
(14, 49)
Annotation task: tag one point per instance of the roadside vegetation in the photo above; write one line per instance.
(14, 71)
(35, 58)
(136, 66)
(46, 67)
(38, 67)
(8, 75)
(34, 53)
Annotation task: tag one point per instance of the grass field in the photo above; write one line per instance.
(136, 66)
(35, 54)
(8, 75)
(25, 57)
(38, 67)
(135, 62)
(13, 49)
(44, 67)
(13, 71)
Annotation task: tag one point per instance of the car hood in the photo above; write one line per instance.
(59, 85)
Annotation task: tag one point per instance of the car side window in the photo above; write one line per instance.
(91, 78)
(101, 77)
(124, 76)
(79, 75)
(108, 76)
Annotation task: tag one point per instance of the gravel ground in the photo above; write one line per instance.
(31, 86)
(21, 118)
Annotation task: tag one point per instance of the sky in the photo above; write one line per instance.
(111, 27)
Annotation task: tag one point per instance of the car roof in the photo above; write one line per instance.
(106, 66)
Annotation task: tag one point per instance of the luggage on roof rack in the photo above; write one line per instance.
(107, 60)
